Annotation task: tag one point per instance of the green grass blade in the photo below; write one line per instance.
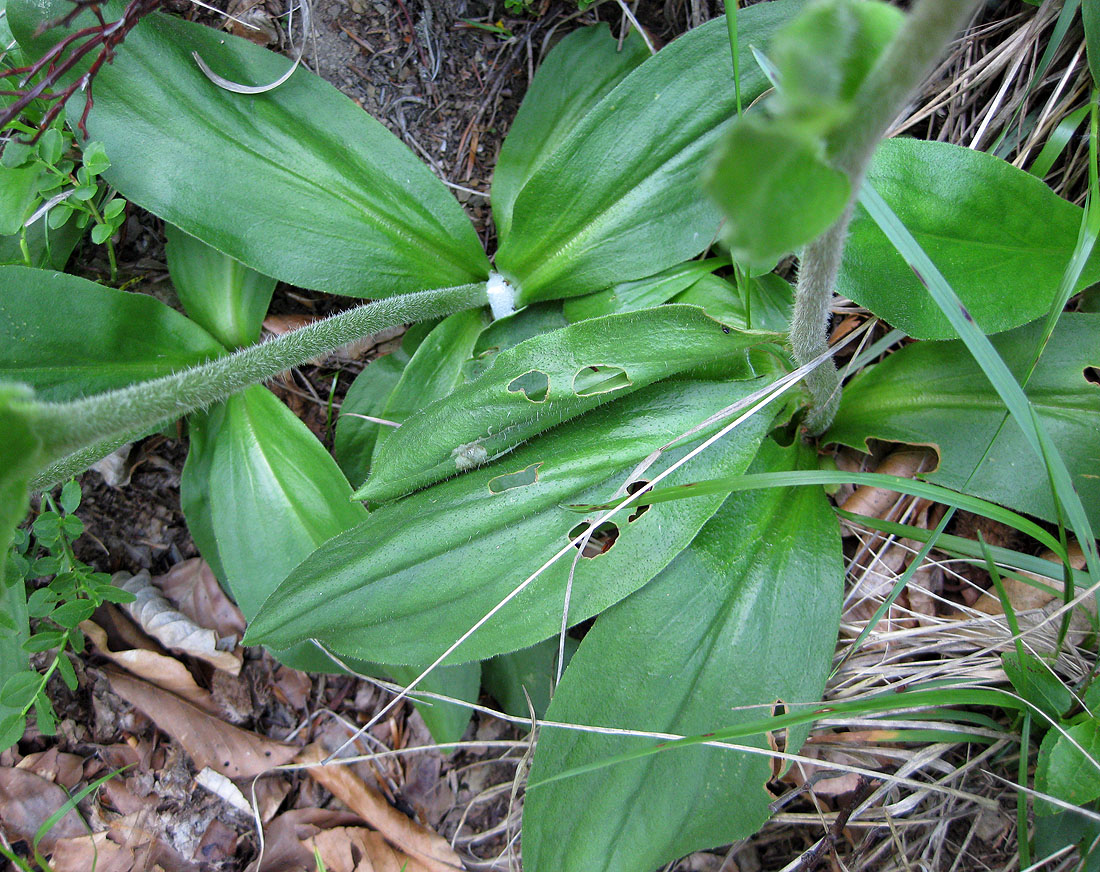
(971, 551)
(910, 486)
(1057, 141)
(889, 701)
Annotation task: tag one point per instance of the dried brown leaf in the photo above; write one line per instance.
(27, 801)
(81, 853)
(64, 769)
(876, 502)
(226, 749)
(283, 851)
(420, 843)
(165, 672)
(357, 849)
(173, 629)
(194, 589)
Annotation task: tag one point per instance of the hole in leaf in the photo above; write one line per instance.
(1092, 374)
(527, 475)
(535, 385)
(600, 379)
(601, 540)
(633, 488)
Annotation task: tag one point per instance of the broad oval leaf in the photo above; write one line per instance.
(620, 198)
(1067, 768)
(298, 183)
(260, 493)
(69, 337)
(273, 491)
(572, 79)
(418, 573)
(957, 411)
(542, 382)
(1000, 237)
(218, 292)
(746, 615)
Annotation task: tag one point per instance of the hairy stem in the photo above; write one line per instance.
(902, 67)
(73, 426)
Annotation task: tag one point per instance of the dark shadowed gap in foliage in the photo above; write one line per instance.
(632, 489)
(1092, 375)
(601, 540)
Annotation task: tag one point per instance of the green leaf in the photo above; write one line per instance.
(1067, 766)
(446, 721)
(1036, 683)
(418, 573)
(1090, 17)
(95, 158)
(1055, 831)
(775, 189)
(274, 493)
(70, 496)
(958, 412)
(18, 195)
(619, 198)
(824, 55)
(19, 689)
(66, 671)
(114, 209)
(527, 674)
(72, 613)
(12, 727)
(1000, 236)
(355, 438)
(20, 449)
(746, 616)
(298, 183)
(50, 145)
(353, 445)
(533, 386)
(261, 495)
(770, 300)
(69, 337)
(41, 602)
(572, 79)
(641, 293)
(13, 659)
(44, 640)
(221, 294)
(101, 233)
(44, 715)
(434, 370)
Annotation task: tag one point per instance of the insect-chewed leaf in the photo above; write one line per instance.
(298, 183)
(956, 410)
(746, 615)
(620, 198)
(418, 573)
(542, 382)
